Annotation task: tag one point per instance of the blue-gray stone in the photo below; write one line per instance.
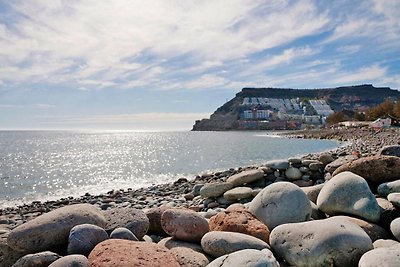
(83, 238)
(123, 233)
(71, 261)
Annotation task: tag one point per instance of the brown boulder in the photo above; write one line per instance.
(154, 216)
(240, 221)
(374, 169)
(126, 253)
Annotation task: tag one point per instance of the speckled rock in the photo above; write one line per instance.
(374, 231)
(245, 177)
(395, 228)
(280, 203)
(170, 243)
(133, 219)
(312, 192)
(119, 252)
(246, 258)
(84, 237)
(215, 190)
(389, 151)
(123, 233)
(331, 167)
(190, 258)
(348, 193)
(217, 243)
(52, 229)
(154, 216)
(41, 259)
(238, 193)
(293, 174)
(8, 256)
(184, 224)
(374, 169)
(388, 188)
(383, 243)
(278, 164)
(240, 221)
(328, 242)
(326, 159)
(389, 256)
(71, 261)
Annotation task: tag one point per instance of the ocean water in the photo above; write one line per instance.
(46, 165)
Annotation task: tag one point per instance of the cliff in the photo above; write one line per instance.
(359, 97)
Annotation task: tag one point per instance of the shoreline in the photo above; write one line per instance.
(358, 142)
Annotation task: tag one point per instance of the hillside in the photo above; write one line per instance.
(236, 113)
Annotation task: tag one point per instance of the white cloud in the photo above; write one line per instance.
(374, 72)
(349, 49)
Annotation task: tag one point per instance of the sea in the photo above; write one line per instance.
(49, 165)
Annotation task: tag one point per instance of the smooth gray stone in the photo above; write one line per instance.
(245, 177)
(328, 242)
(278, 164)
(41, 259)
(383, 243)
(293, 174)
(238, 193)
(190, 258)
(313, 191)
(83, 238)
(133, 219)
(387, 188)
(394, 198)
(218, 243)
(349, 193)
(51, 229)
(385, 256)
(395, 228)
(280, 203)
(215, 190)
(389, 151)
(71, 261)
(246, 258)
(170, 243)
(331, 167)
(123, 233)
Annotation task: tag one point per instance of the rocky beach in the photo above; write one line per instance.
(336, 208)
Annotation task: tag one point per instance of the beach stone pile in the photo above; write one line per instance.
(325, 211)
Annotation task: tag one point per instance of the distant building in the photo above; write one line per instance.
(381, 123)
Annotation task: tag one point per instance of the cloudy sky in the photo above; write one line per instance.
(161, 64)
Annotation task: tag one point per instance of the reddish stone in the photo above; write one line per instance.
(240, 221)
(126, 253)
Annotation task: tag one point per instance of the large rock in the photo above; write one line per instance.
(246, 258)
(184, 224)
(215, 189)
(280, 203)
(387, 256)
(240, 221)
(238, 193)
(348, 193)
(331, 167)
(41, 259)
(119, 252)
(312, 192)
(133, 219)
(374, 231)
(190, 258)
(328, 242)
(51, 229)
(245, 177)
(154, 216)
(217, 243)
(389, 151)
(375, 169)
(84, 237)
(388, 188)
(8, 256)
(71, 261)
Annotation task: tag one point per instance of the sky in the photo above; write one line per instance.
(162, 64)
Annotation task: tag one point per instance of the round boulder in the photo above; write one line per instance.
(280, 203)
(118, 252)
(328, 242)
(83, 238)
(71, 261)
(51, 230)
(217, 243)
(240, 221)
(154, 216)
(123, 233)
(246, 258)
(245, 177)
(348, 193)
(184, 224)
(215, 190)
(387, 256)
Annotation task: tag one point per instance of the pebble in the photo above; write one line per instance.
(394, 198)
(349, 193)
(184, 224)
(190, 258)
(37, 260)
(388, 188)
(395, 228)
(278, 164)
(218, 243)
(293, 174)
(246, 258)
(123, 233)
(215, 190)
(280, 203)
(380, 243)
(238, 193)
(384, 256)
(245, 177)
(154, 217)
(84, 237)
(312, 192)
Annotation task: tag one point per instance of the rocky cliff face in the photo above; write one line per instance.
(227, 116)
